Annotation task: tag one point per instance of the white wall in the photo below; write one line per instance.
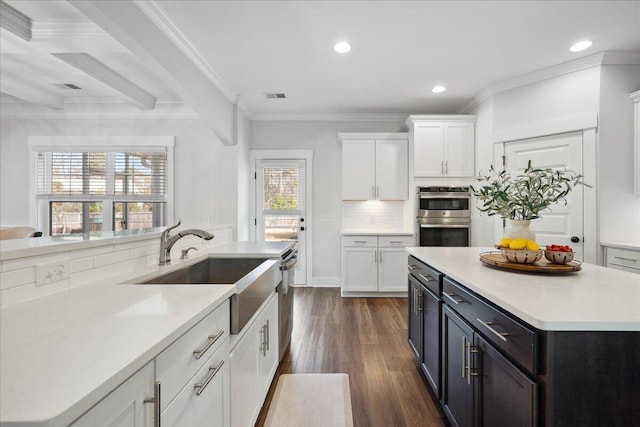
(205, 170)
(619, 207)
(322, 138)
(482, 232)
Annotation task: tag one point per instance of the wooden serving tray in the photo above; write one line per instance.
(497, 260)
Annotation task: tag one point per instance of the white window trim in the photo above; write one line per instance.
(39, 217)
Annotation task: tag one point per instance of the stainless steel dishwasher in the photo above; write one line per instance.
(285, 299)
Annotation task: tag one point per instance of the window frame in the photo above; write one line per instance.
(39, 208)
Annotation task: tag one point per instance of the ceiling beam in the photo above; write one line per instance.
(96, 69)
(147, 33)
(15, 21)
(29, 93)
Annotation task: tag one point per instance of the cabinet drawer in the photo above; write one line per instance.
(182, 359)
(517, 341)
(429, 277)
(623, 258)
(360, 241)
(396, 241)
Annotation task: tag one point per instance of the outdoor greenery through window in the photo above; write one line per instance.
(281, 202)
(87, 189)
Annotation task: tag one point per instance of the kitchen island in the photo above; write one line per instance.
(74, 353)
(508, 348)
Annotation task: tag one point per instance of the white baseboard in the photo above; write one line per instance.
(374, 294)
(325, 282)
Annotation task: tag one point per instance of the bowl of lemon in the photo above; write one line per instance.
(520, 251)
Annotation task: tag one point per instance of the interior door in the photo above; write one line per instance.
(562, 224)
(281, 207)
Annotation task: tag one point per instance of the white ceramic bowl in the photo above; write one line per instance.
(558, 257)
(522, 256)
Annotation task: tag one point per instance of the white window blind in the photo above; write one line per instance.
(102, 175)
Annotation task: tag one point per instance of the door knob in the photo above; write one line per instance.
(575, 239)
(302, 228)
(301, 219)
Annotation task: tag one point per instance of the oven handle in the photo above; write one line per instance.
(462, 196)
(444, 225)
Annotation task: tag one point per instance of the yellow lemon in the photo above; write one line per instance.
(532, 245)
(504, 243)
(518, 244)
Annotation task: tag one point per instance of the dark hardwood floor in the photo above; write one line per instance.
(365, 338)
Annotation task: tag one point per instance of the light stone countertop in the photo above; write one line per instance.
(59, 354)
(593, 299)
(634, 246)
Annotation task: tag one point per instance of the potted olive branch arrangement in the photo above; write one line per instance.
(523, 197)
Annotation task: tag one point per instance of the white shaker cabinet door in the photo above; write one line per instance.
(392, 175)
(392, 270)
(459, 159)
(268, 356)
(428, 149)
(358, 169)
(125, 406)
(359, 269)
(205, 399)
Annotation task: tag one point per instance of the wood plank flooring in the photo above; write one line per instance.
(365, 338)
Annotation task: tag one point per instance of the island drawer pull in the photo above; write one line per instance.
(412, 267)
(503, 336)
(451, 297)
(212, 373)
(427, 278)
(212, 339)
(625, 259)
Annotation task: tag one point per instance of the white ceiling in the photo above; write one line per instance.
(401, 49)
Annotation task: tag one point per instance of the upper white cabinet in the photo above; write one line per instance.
(635, 96)
(443, 145)
(375, 166)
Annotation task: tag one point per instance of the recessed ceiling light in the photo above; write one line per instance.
(342, 47)
(438, 89)
(581, 45)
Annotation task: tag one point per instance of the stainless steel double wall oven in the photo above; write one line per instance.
(444, 216)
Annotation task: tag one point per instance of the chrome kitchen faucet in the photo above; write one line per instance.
(167, 241)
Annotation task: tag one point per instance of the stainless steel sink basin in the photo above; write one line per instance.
(210, 271)
(255, 280)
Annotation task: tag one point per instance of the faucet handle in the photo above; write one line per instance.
(166, 232)
(185, 252)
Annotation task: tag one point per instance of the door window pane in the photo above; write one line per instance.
(281, 188)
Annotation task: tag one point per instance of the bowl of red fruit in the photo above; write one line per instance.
(558, 254)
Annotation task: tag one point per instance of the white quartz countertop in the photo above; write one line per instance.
(634, 246)
(375, 233)
(61, 353)
(595, 298)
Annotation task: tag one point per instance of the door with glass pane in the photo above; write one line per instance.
(280, 207)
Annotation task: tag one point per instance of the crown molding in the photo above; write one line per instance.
(84, 108)
(598, 59)
(15, 21)
(154, 12)
(55, 29)
(346, 117)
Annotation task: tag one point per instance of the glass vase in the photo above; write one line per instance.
(519, 229)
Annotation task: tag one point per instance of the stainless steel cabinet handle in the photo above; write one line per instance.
(212, 373)
(412, 267)
(470, 349)
(446, 167)
(156, 403)
(451, 297)
(428, 279)
(464, 357)
(415, 301)
(418, 299)
(266, 328)
(395, 241)
(359, 241)
(625, 259)
(503, 336)
(377, 191)
(442, 167)
(380, 252)
(212, 339)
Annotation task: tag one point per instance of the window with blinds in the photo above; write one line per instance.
(86, 188)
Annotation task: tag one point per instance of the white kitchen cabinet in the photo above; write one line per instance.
(374, 263)
(635, 96)
(374, 166)
(253, 361)
(622, 258)
(125, 406)
(442, 145)
(205, 399)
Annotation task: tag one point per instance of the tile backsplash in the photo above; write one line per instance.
(22, 279)
(372, 215)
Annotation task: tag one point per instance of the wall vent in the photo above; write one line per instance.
(275, 95)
